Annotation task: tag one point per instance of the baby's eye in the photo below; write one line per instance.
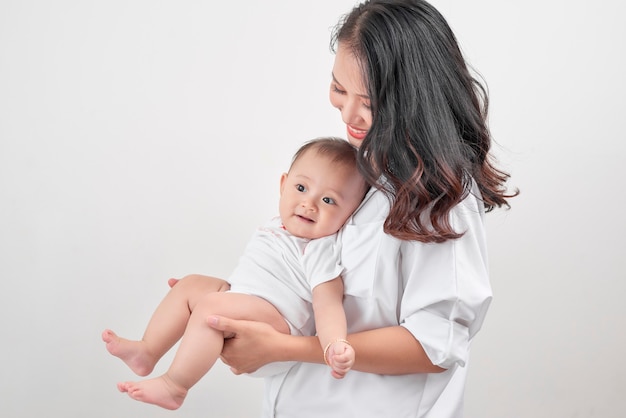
(300, 188)
(329, 200)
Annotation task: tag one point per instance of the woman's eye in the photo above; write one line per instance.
(328, 200)
(300, 188)
(337, 90)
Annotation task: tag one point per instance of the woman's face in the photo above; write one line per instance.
(349, 95)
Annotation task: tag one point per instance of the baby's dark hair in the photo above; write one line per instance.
(337, 150)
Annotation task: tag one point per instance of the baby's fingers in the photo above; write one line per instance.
(337, 375)
(346, 357)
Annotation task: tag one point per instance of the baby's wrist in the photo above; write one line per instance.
(330, 344)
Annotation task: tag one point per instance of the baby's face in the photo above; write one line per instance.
(317, 196)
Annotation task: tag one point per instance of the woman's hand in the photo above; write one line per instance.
(250, 344)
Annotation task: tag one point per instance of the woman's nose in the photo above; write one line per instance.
(350, 112)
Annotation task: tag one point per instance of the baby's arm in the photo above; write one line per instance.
(330, 321)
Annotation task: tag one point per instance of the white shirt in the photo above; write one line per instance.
(439, 292)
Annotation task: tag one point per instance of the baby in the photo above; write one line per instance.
(289, 277)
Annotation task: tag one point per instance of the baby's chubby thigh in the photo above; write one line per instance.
(241, 306)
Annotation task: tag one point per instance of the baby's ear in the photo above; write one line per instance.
(283, 177)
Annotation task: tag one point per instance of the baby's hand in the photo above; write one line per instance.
(340, 357)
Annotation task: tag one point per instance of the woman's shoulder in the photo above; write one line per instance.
(373, 209)
(472, 203)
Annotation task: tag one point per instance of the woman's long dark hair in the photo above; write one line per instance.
(429, 137)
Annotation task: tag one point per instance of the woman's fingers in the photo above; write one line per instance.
(226, 325)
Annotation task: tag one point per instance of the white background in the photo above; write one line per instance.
(142, 140)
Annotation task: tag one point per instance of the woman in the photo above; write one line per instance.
(416, 280)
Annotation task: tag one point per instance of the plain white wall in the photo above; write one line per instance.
(144, 140)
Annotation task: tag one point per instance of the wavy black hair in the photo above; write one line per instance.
(429, 137)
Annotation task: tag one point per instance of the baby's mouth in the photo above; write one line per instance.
(304, 218)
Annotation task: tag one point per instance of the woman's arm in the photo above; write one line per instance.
(390, 350)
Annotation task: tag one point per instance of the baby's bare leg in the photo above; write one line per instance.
(200, 347)
(166, 325)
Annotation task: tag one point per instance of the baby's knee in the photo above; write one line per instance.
(194, 278)
(206, 283)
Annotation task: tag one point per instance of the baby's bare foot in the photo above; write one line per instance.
(133, 353)
(161, 391)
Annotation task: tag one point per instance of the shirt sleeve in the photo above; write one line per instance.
(446, 287)
(321, 260)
